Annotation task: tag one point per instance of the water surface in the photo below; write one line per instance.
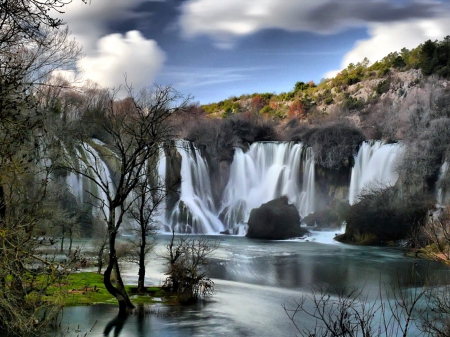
(253, 280)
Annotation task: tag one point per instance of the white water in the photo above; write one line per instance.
(195, 212)
(265, 172)
(375, 167)
(442, 193)
(79, 184)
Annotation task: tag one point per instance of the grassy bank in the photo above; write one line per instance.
(86, 288)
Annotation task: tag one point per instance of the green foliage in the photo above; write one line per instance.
(328, 100)
(382, 86)
(210, 108)
(266, 96)
(300, 86)
(267, 110)
(435, 57)
(87, 288)
(352, 103)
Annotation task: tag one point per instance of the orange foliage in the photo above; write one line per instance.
(258, 103)
(297, 109)
(274, 105)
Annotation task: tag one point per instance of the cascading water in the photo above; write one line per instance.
(442, 191)
(265, 172)
(195, 212)
(78, 184)
(375, 166)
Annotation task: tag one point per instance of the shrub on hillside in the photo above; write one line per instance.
(334, 144)
(425, 154)
(383, 215)
(217, 139)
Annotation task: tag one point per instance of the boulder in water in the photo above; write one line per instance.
(275, 220)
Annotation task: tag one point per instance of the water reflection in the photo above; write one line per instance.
(116, 325)
(253, 280)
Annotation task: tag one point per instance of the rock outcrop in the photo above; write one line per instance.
(275, 220)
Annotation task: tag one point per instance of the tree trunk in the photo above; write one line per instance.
(115, 292)
(100, 258)
(70, 241)
(118, 292)
(141, 274)
(2, 204)
(62, 242)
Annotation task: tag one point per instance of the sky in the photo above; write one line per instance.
(212, 50)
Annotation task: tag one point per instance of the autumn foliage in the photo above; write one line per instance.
(258, 103)
(297, 110)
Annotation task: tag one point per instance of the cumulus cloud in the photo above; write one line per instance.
(108, 57)
(118, 55)
(225, 20)
(386, 38)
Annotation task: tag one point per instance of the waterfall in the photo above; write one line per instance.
(442, 192)
(195, 212)
(265, 172)
(375, 166)
(81, 187)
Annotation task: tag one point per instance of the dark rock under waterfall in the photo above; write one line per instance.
(275, 220)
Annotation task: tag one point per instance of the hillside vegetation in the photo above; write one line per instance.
(355, 92)
(403, 97)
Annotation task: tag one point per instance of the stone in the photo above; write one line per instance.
(275, 220)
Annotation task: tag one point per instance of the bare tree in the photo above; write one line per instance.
(135, 128)
(31, 46)
(100, 242)
(150, 195)
(351, 313)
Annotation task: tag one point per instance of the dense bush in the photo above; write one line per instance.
(382, 87)
(426, 152)
(217, 139)
(334, 144)
(383, 215)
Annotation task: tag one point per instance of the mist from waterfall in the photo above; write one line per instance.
(375, 167)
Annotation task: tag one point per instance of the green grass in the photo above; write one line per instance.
(150, 295)
(87, 288)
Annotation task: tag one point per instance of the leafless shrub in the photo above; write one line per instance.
(434, 237)
(187, 261)
(395, 311)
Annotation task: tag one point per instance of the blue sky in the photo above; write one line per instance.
(214, 49)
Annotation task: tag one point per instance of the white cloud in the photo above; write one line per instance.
(108, 57)
(330, 74)
(387, 38)
(225, 20)
(140, 59)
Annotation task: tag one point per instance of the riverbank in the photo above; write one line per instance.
(87, 288)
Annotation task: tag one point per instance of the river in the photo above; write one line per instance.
(254, 279)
